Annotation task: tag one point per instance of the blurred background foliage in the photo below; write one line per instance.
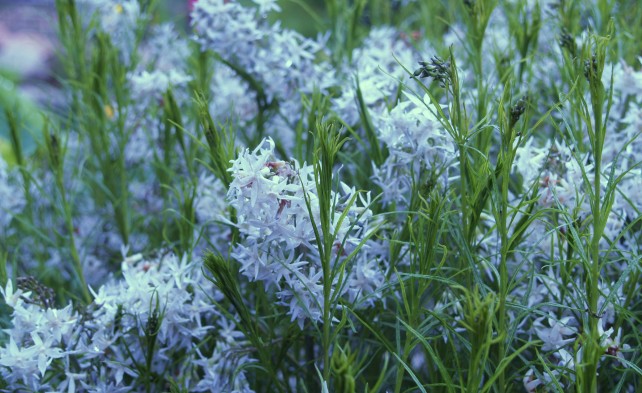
(28, 46)
(28, 66)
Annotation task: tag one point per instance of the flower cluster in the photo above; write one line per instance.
(160, 308)
(277, 209)
(417, 142)
(375, 69)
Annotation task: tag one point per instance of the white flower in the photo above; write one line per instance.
(415, 136)
(266, 6)
(379, 74)
(546, 288)
(626, 79)
(417, 143)
(566, 359)
(612, 345)
(148, 86)
(366, 277)
(13, 299)
(23, 362)
(529, 160)
(223, 370)
(59, 322)
(553, 336)
(45, 351)
(531, 382)
(70, 382)
(304, 296)
(278, 244)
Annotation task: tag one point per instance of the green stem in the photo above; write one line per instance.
(592, 350)
(75, 258)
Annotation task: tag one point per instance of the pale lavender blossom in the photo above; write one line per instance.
(613, 346)
(222, 372)
(266, 6)
(562, 178)
(287, 63)
(232, 99)
(531, 381)
(149, 86)
(36, 339)
(529, 161)
(626, 80)
(165, 49)
(278, 244)
(553, 335)
(102, 347)
(378, 66)
(417, 143)
(281, 61)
